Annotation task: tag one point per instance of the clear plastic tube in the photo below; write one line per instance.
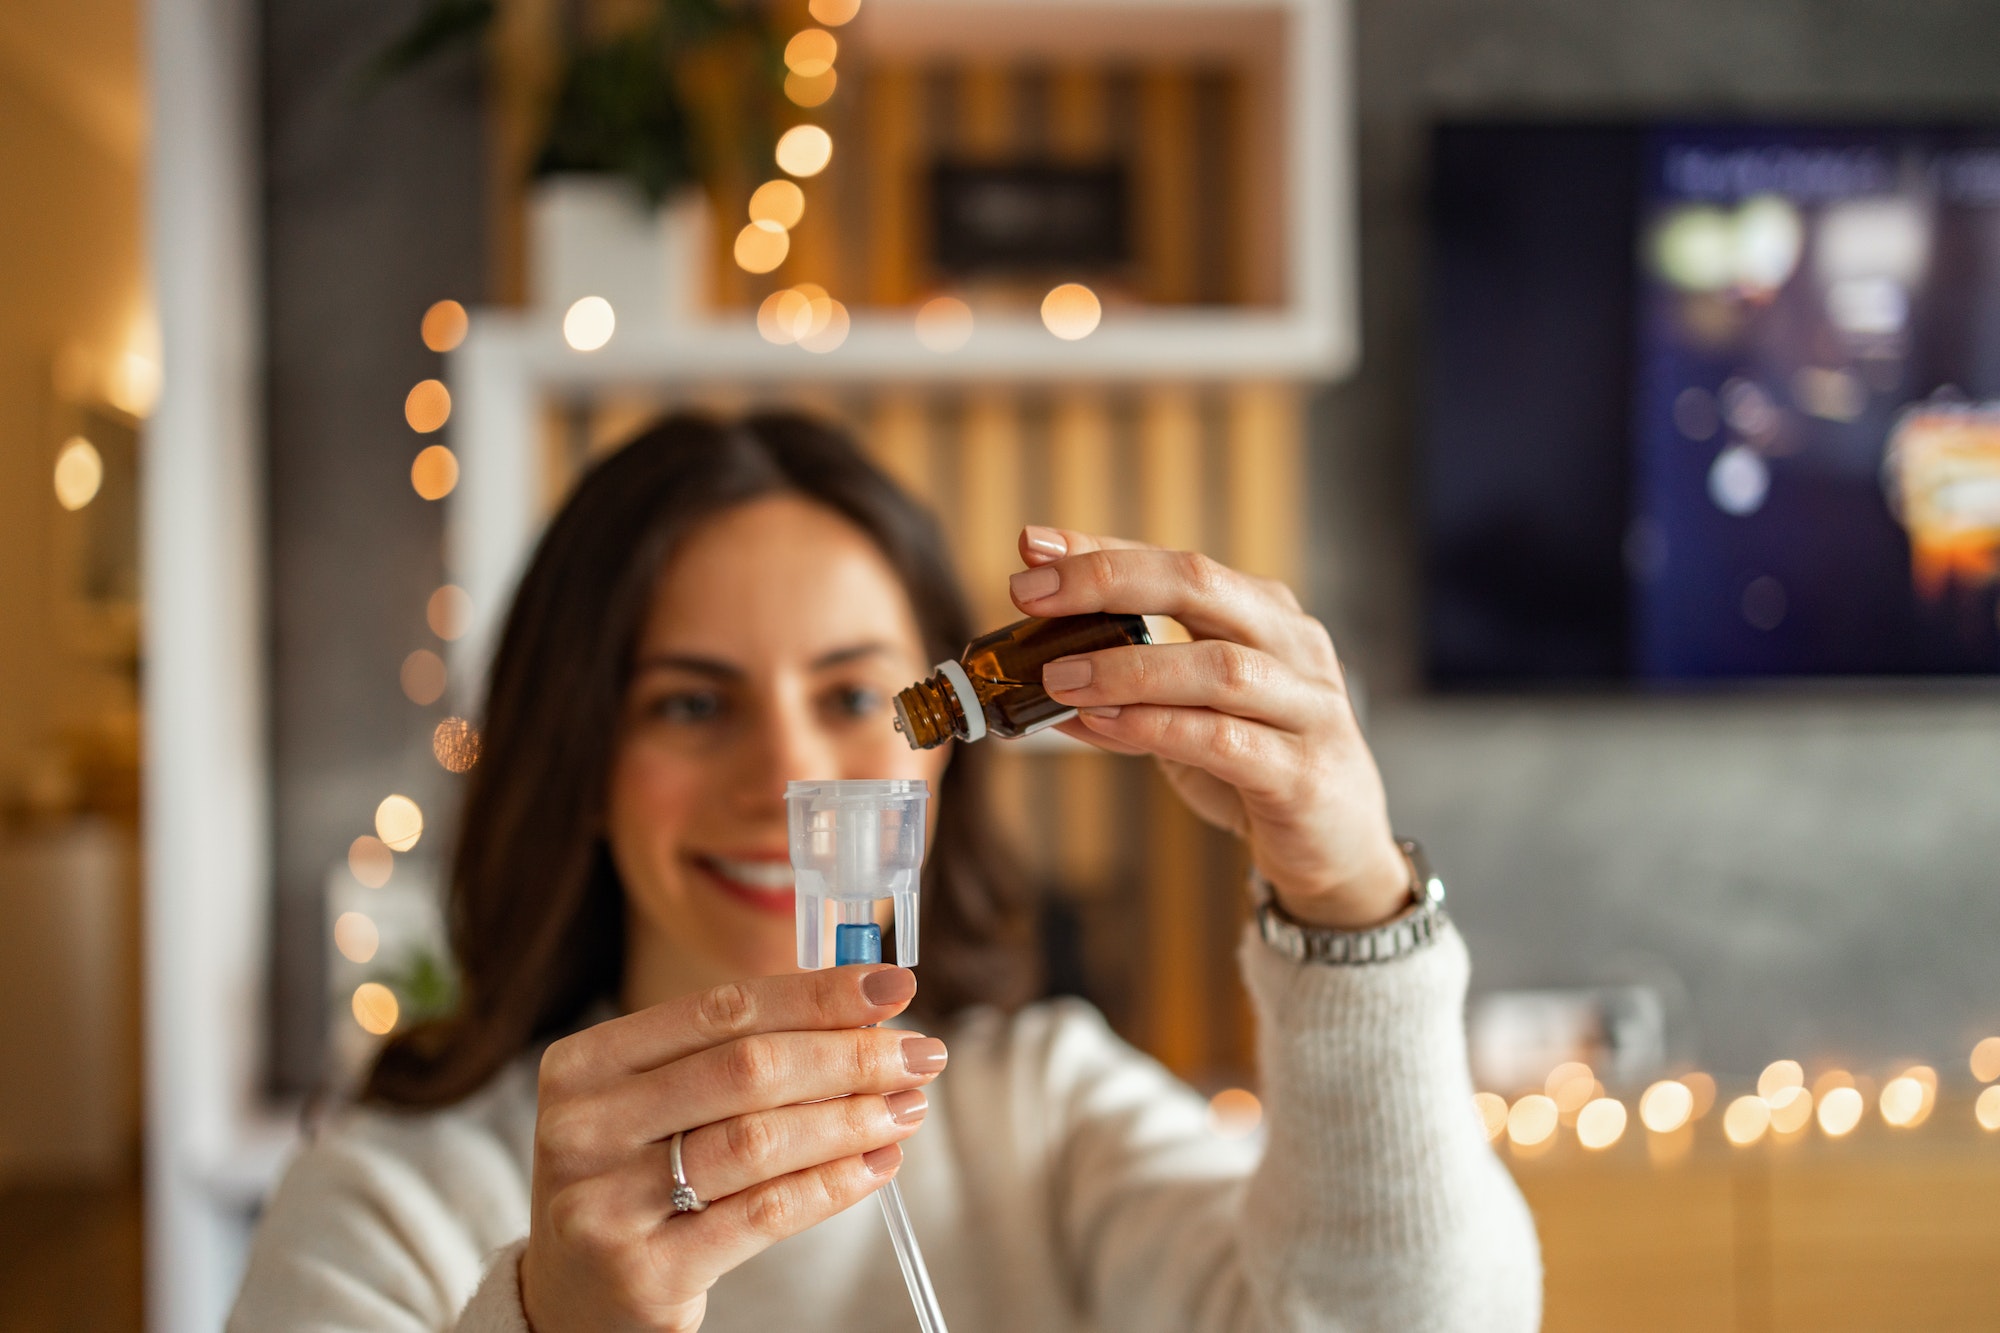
(854, 843)
(911, 1256)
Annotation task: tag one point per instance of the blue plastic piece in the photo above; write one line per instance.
(857, 944)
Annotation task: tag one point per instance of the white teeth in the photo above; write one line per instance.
(771, 876)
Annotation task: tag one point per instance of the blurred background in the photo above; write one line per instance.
(1620, 382)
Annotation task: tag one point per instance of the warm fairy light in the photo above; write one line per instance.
(811, 53)
(375, 1008)
(370, 861)
(1902, 1102)
(455, 743)
(399, 823)
(448, 612)
(1779, 1075)
(134, 383)
(1532, 1120)
(1987, 1109)
(761, 247)
(833, 13)
(589, 324)
(830, 335)
(1840, 1111)
(1572, 1086)
(1491, 1108)
(804, 150)
(354, 934)
(1702, 1088)
(1746, 1120)
(1827, 1082)
(434, 472)
(423, 677)
(1986, 1060)
(1791, 1109)
(1600, 1123)
(944, 324)
(815, 90)
(79, 473)
(444, 326)
(1235, 1113)
(427, 406)
(779, 201)
(1665, 1106)
(1071, 311)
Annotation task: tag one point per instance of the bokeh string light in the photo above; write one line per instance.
(1491, 1108)
(1666, 1106)
(399, 823)
(370, 861)
(79, 473)
(944, 324)
(434, 472)
(375, 1008)
(761, 246)
(1840, 1110)
(445, 326)
(423, 677)
(804, 150)
(1746, 1120)
(833, 13)
(1235, 1113)
(779, 201)
(1600, 1123)
(356, 936)
(427, 406)
(455, 745)
(448, 612)
(1071, 311)
(589, 323)
(1532, 1120)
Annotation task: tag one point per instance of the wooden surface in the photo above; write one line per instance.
(1884, 1230)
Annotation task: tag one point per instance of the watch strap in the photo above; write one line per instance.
(1417, 927)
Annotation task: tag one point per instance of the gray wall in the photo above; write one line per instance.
(374, 208)
(1820, 872)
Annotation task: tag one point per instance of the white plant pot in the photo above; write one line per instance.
(596, 235)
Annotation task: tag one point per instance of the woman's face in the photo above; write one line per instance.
(776, 639)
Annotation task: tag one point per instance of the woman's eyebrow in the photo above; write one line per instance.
(700, 666)
(842, 656)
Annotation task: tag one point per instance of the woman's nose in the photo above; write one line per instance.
(788, 748)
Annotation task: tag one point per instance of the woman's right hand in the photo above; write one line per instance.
(794, 1108)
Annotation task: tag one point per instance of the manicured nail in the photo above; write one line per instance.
(883, 1160)
(1045, 541)
(1103, 710)
(1071, 673)
(923, 1055)
(907, 1107)
(1034, 584)
(892, 985)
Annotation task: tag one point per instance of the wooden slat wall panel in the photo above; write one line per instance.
(891, 153)
(1165, 187)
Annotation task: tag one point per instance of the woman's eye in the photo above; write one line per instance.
(855, 701)
(690, 708)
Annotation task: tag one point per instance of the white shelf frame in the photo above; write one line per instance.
(511, 362)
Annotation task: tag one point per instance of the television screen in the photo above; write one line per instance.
(1713, 402)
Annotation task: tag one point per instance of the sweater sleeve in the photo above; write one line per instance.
(390, 1230)
(1377, 1204)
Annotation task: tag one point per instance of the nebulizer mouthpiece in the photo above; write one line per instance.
(854, 843)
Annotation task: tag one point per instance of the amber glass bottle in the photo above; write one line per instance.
(995, 686)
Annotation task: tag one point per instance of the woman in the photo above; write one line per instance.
(722, 607)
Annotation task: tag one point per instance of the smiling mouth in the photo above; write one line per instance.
(766, 885)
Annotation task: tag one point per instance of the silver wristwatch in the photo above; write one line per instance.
(1416, 927)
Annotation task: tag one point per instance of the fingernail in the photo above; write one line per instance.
(908, 1107)
(892, 985)
(923, 1055)
(1047, 541)
(1071, 673)
(1104, 710)
(883, 1160)
(1033, 584)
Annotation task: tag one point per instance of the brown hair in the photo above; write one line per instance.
(537, 912)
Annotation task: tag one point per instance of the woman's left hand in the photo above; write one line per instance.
(1250, 722)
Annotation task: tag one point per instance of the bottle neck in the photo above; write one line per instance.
(928, 714)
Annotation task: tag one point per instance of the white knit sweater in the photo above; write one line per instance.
(1062, 1181)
